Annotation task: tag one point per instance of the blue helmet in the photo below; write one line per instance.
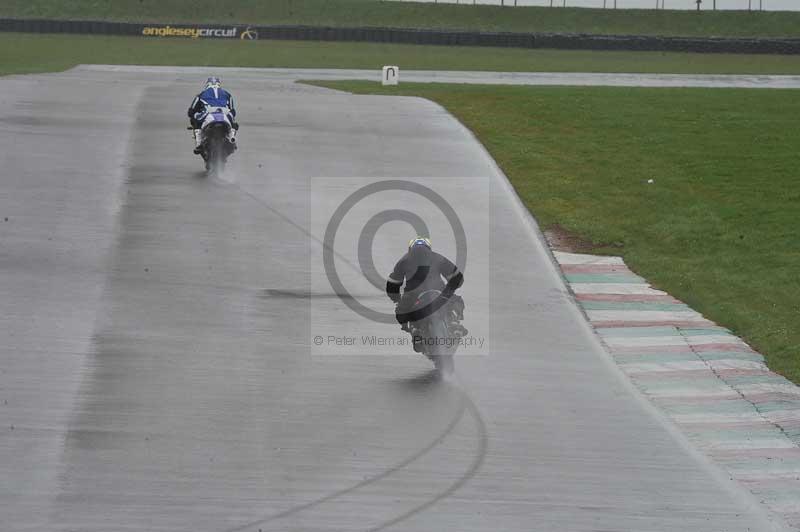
(213, 82)
(420, 241)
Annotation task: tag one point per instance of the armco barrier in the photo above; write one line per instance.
(411, 36)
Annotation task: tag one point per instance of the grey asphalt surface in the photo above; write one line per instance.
(156, 368)
(744, 81)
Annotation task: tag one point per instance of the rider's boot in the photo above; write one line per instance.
(416, 341)
(414, 332)
(454, 324)
(457, 330)
(198, 148)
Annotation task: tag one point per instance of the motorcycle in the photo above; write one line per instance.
(218, 131)
(436, 334)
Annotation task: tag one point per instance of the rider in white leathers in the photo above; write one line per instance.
(213, 95)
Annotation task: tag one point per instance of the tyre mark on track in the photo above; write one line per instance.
(464, 404)
(477, 463)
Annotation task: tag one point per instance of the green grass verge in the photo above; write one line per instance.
(717, 228)
(27, 53)
(417, 15)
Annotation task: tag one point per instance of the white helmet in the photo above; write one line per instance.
(420, 241)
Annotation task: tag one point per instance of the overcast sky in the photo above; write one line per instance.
(773, 5)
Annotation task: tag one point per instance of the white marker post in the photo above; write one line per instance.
(391, 75)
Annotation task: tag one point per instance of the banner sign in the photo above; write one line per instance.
(93, 27)
(199, 32)
(194, 33)
(411, 36)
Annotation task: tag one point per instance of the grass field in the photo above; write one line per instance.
(26, 53)
(417, 15)
(717, 228)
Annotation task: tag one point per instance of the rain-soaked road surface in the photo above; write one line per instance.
(156, 368)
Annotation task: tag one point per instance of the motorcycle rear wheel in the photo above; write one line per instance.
(442, 358)
(215, 164)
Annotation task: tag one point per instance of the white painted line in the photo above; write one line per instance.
(783, 416)
(785, 506)
(714, 339)
(577, 259)
(644, 315)
(786, 473)
(617, 342)
(733, 363)
(742, 444)
(644, 341)
(703, 417)
(769, 387)
(686, 365)
(615, 288)
(721, 391)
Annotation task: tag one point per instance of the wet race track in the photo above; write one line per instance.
(158, 370)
